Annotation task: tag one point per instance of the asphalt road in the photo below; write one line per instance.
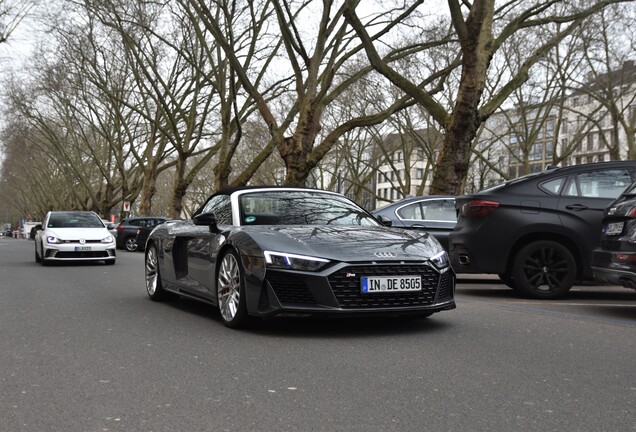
(83, 349)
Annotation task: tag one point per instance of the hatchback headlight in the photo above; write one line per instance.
(53, 240)
(441, 260)
(108, 239)
(294, 262)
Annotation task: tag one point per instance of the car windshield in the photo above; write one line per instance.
(300, 208)
(74, 220)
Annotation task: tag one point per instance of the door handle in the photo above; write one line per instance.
(576, 207)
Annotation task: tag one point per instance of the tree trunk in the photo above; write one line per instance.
(148, 189)
(179, 189)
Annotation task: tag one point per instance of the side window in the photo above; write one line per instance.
(138, 222)
(601, 184)
(554, 186)
(411, 211)
(440, 210)
(221, 206)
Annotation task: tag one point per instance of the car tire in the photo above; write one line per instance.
(230, 289)
(130, 244)
(154, 287)
(37, 257)
(544, 270)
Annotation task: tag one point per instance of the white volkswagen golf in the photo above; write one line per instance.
(73, 235)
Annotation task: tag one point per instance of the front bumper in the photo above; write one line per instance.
(336, 291)
(77, 252)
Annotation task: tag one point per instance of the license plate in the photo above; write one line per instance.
(614, 228)
(82, 248)
(391, 284)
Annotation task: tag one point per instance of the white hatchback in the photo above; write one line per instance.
(73, 236)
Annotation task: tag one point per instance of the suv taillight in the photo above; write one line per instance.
(119, 227)
(479, 208)
(631, 213)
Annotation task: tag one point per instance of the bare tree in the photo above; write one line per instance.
(11, 15)
(314, 55)
(481, 29)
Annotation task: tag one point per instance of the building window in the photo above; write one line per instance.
(419, 173)
(549, 150)
(536, 152)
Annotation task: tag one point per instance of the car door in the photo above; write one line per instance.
(436, 216)
(583, 202)
(203, 247)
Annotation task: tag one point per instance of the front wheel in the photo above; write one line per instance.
(231, 291)
(154, 288)
(544, 270)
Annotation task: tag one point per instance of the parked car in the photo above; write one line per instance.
(127, 230)
(73, 236)
(111, 227)
(435, 214)
(614, 262)
(142, 237)
(269, 251)
(538, 232)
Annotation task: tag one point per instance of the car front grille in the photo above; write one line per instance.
(345, 284)
(78, 255)
(290, 289)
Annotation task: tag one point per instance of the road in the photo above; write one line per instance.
(83, 349)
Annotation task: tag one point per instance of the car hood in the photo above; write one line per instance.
(347, 243)
(77, 233)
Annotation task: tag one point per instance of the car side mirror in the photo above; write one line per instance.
(385, 221)
(206, 219)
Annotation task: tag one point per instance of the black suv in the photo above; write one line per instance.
(127, 230)
(538, 232)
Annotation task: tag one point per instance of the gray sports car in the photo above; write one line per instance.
(264, 251)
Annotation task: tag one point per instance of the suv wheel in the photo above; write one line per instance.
(544, 270)
(131, 244)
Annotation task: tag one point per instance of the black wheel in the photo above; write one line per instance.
(130, 244)
(37, 257)
(154, 287)
(544, 270)
(507, 279)
(230, 290)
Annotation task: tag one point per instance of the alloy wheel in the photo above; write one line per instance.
(229, 288)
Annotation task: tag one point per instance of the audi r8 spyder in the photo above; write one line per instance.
(265, 251)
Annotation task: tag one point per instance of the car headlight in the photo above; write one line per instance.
(294, 262)
(441, 260)
(108, 239)
(53, 240)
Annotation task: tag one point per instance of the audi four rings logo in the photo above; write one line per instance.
(385, 254)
